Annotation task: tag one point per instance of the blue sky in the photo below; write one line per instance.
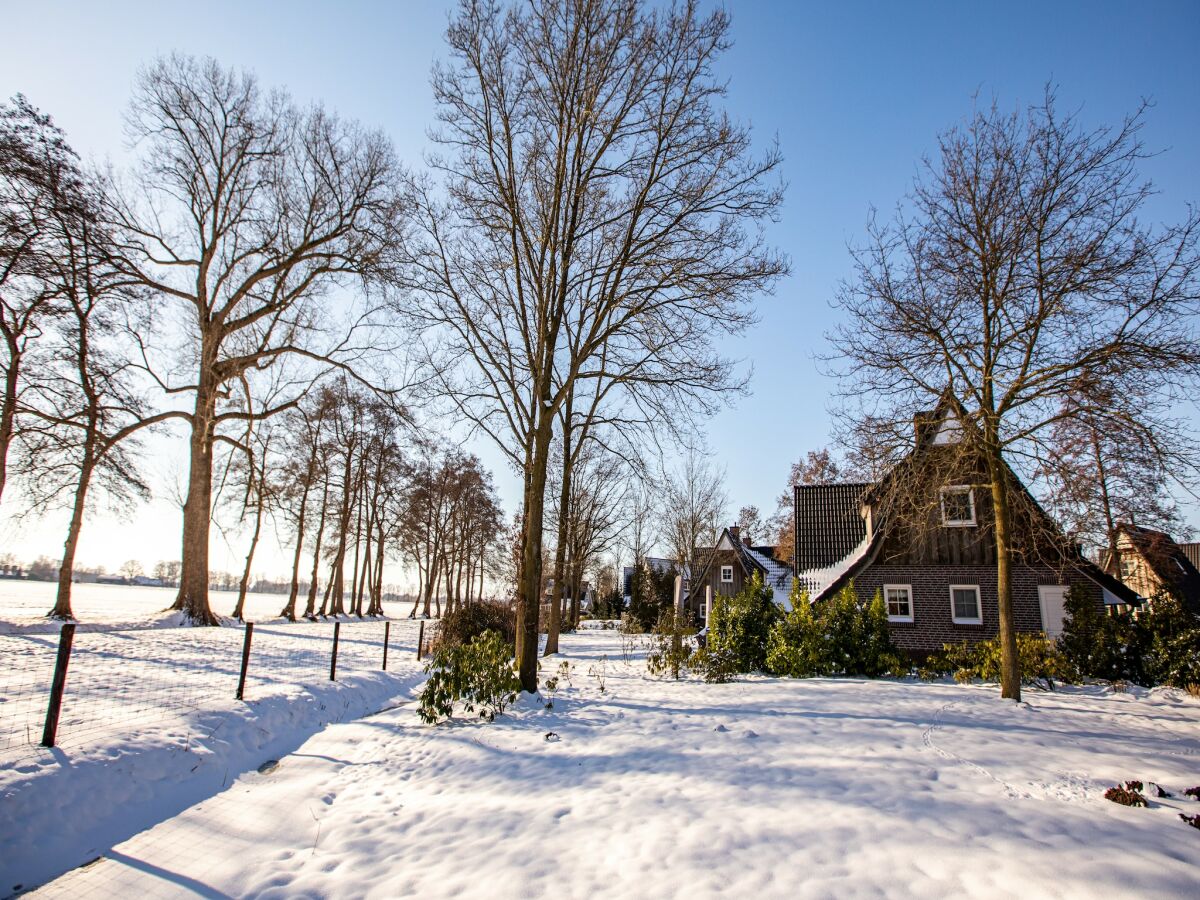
(855, 92)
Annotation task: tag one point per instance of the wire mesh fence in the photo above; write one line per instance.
(129, 682)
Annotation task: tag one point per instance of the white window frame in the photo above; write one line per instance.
(726, 574)
(958, 489)
(978, 620)
(907, 588)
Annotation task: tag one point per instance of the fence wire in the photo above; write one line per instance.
(126, 683)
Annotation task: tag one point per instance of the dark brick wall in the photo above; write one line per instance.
(933, 624)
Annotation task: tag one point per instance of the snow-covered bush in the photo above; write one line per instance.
(741, 625)
(839, 636)
(479, 673)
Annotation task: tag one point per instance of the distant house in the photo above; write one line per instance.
(922, 537)
(1150, 561)
(729, 565)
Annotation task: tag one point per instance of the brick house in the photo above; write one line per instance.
(923, 538)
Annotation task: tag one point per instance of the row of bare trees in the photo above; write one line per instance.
(588, 232)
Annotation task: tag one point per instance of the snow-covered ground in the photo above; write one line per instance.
(634, 787)
(150, 724)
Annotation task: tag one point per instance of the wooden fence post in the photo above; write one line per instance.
(245, 660)
(337, 627)
(387, 633)
(66, 638)
(420, 639)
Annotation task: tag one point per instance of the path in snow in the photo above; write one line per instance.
(759, 788)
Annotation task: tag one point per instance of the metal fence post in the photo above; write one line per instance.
(387, 634)
(66, 638)
(245, 660)
(420, 639)
(337, 627)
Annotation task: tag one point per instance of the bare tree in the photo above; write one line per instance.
(40, 190)
(81, 403)
(245, 214)
(599, 218)
(1100, 473)
(692, 508)
(1017, 267)
(750, 524)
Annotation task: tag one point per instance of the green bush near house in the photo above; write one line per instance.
(1042, 663)
(1158, 645)
(839, 636)
(741, 625)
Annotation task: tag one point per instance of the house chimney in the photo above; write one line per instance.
(735, 532)
(921, 423)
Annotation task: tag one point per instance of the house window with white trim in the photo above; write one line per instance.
(958, 506)
(964, 604)
(898, 598)
(726, 574)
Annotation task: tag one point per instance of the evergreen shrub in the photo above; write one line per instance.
(469, 619)
(479, 674)
(741, 625)
(839, 636)
(1042, 663)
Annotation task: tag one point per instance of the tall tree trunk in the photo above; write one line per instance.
(240, 609)
(1110, 526)
(1010, 661)
(337, 578)
(554, 626)
(310, 609)
(530, 582)
(289, 608)
(62, 601)
(8, 413)
(197, 509)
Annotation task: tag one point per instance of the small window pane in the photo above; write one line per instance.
(898, 603)
(966, 603)
(726, 574)
(957, 506)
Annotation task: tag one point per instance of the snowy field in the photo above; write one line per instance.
(24, 604)
(633, 787)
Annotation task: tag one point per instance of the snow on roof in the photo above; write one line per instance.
(778, 577)
(817, 581)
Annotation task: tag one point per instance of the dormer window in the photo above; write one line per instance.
(726, 574)
(958, 506)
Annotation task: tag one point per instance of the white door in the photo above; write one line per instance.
(1051, 597)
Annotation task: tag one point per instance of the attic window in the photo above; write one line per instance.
(726, 574)
(958, 506)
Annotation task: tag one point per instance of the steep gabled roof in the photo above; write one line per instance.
(1168, 561)
(829, 523)
(776, 575)
(825, 518)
